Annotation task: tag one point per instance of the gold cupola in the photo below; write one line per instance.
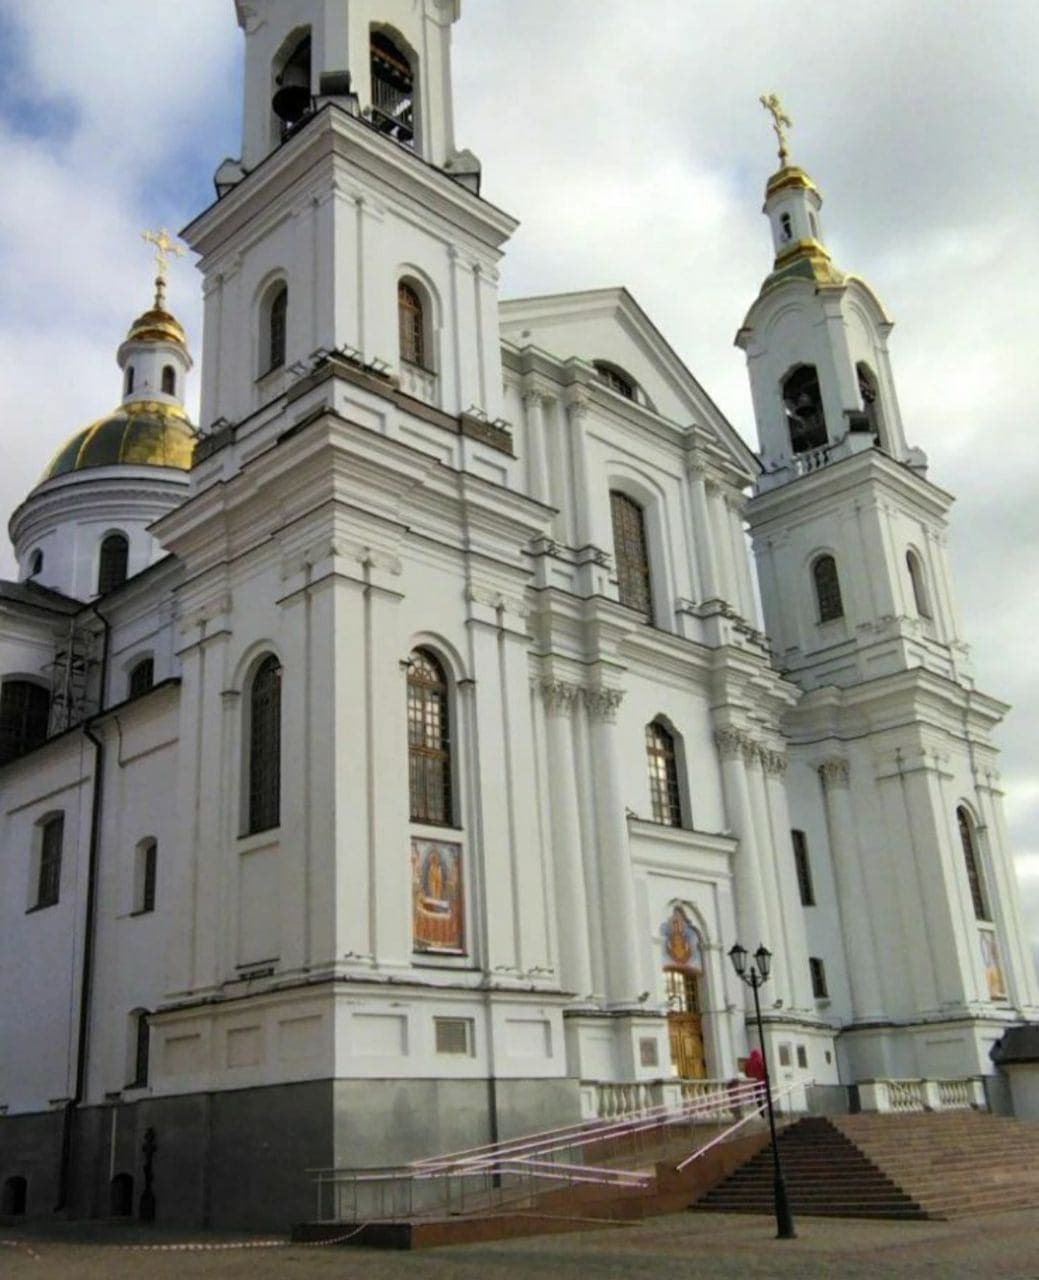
(793, 203)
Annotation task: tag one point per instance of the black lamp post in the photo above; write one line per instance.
(755, 975)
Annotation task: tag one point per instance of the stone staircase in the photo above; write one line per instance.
(931, 1165)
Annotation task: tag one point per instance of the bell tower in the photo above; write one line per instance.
(390, 60)
(351, 225)
(893, 783)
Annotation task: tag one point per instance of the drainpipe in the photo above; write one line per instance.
(89, 930)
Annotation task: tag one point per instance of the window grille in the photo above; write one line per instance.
(629, 547)
(113, 563)
(48, 885)
(393, 90)
(804, 869)
(142, 1033)
(454, 1036)
(818, 970)
(265, 747)
(24, 718)
(970, 858)
(663, 776)
(429, 741)
(142, 677)
(683, 991)
(278, 326)
(412, 325)
(828, 589)
(148, 854)
(616, 381)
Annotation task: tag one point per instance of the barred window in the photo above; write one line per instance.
(277, 328)
(142, 1039)
(818, 970)
(265, 746)
(429, 741)
(827, 589)
(629, 548)
(393, 89)
(142, 677)
(113, 563)
(147, 867)
(616, 380)
(804, 869)
(48, 883)
(24, 717)
(970, 858)
(411, 316)
(663, 775)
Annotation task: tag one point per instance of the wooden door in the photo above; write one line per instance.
(685, 1025)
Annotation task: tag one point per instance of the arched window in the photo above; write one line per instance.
(411, 317)
(663, 775)
(277, 327)
(14, 1198)
(113, 563)
(142, 677)
(803, 402)
(429, 741)
(916, 578)
(48, 879)
(24, 717)
(970, 857)
(265, 746)
(36, 563)
(141, 1037)
(870, 394)
(130, 376)
(393, 89)
(617, 380)
(786, 226)
(169, 380)
(634, 584)
(145, 871)
(827, 589)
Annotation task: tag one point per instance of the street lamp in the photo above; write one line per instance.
(755, 975)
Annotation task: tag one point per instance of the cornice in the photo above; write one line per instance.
(334, 133)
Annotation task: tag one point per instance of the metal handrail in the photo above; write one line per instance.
(727, 1134)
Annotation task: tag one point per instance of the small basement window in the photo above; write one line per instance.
(454, 1036)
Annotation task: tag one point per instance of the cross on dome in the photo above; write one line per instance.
(781, 122)
(165, 245)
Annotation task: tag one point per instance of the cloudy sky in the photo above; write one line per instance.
(627, 136)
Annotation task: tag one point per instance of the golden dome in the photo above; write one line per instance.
(791, 175)
(157, 325)
(143, 433)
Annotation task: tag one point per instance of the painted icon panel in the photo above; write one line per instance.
(438, 897)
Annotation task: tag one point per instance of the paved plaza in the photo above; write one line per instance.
(683, 1245)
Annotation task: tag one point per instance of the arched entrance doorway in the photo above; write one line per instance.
(683, 978)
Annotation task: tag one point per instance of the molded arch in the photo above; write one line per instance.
(695, 917)
(411, 274)
(266, 297)
(249, 662)
(448, 655)
(918, 580)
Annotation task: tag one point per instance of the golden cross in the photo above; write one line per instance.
(781, 122)
(164, 246)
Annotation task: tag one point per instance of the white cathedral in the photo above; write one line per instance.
(389, 764)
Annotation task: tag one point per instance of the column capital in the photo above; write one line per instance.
(731, 743)
(578, 408)
(834, 773)
(602, 703)
(559, 696)
(774, 762)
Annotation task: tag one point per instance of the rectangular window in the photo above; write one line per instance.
(144, 877)
(819, 988)
(142, 1033)
(784, 1055)
(48, 882)
(454, 1036)
(802, 1056)
(804, 869)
